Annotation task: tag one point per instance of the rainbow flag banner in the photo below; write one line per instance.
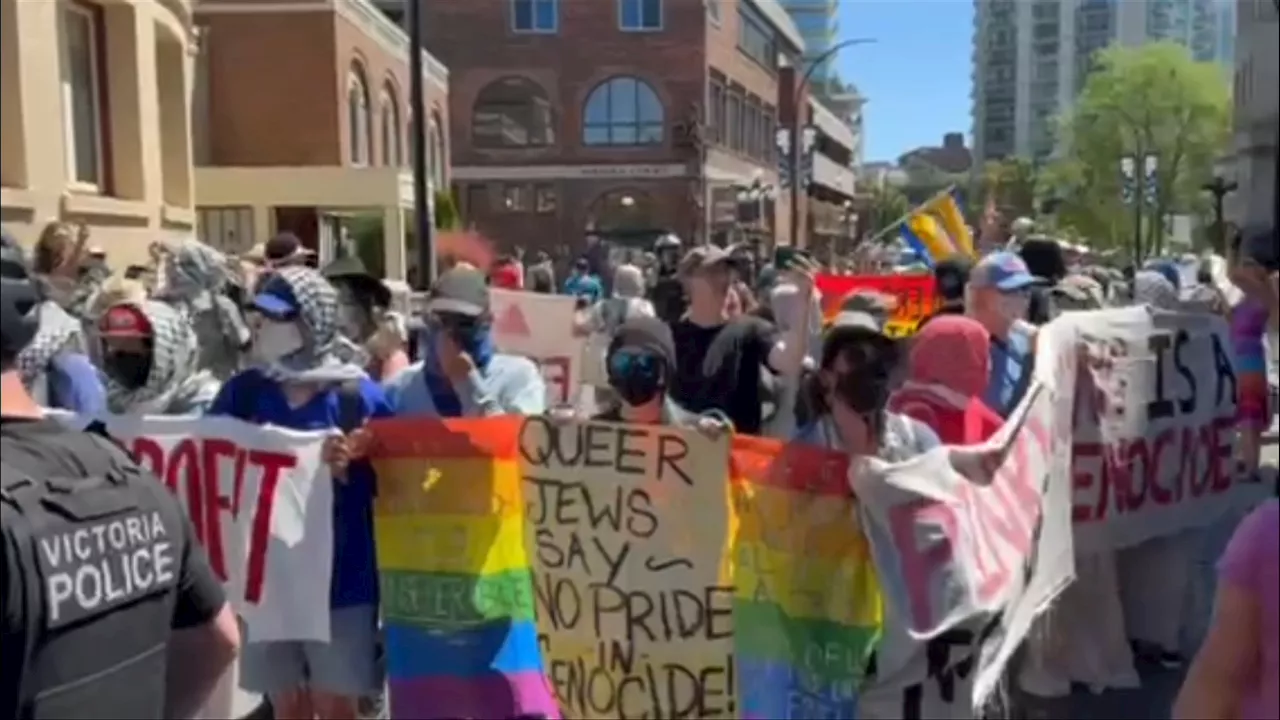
(916, 297)
(808, 608)
(457, 595)
(627, 529)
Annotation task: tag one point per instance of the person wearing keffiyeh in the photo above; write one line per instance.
(300, 380)
(150, 359)
(195, 277)
(55, 368)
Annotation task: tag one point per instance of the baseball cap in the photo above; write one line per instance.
(283, 247)
(704, 257)
(276, 298)
(124, 321)
(461, 291)
(645, 334)
(952, 275)
(1004, 271)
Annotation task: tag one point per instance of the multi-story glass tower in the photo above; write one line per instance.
(816, 20)
(1031, 58)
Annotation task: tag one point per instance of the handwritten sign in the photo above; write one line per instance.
(1153, 443)
(635, 616)
(540, 327)
(259, 500)
(915, 295)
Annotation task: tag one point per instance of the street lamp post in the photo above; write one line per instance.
(795, 150)
(424, 215)
(1219, 189)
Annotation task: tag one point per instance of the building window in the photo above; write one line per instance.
(640, 15)
(82, 93)
(544, 199)
(713, 12)
(751, 130)
(734, 126)
(391, 149)
(512, 112)
(768, 132)
(536, 16)
(360, 131)
(622, 111)
(755, 38)
(715, 112)
(435, 146)
(515, 198)
(477, 201)
(229, 229)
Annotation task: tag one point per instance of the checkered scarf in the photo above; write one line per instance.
(176, 383)
(194, 277)
(1152, 288)
(58, 331)
(326, 355)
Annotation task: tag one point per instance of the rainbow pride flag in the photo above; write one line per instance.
(808, 611)
(457, 593)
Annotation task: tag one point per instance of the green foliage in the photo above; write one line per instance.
(447, 216)
(1011, 182)
(1149, 100)
(888, 205)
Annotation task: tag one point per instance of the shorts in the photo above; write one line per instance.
(347, 665)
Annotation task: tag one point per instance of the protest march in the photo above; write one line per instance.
(514, 504)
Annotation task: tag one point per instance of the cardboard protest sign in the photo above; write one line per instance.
(1153, 440)
(634, 606)
(915, 295)
(260, 501)
(457, 596)
(540, 327)
(808, 610)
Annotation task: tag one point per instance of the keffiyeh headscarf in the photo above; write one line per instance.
(1154, 289)
(58, 332)
(176, 384)
(327, 356)
(194, 278)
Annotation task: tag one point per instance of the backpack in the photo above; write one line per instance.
(74, 481)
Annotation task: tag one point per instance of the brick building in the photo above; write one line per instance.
(620, 119)
(302, 122)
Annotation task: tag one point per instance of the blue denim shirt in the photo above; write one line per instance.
(509, 385)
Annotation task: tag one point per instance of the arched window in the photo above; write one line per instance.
(510, 113)
(360, 126)
(622, 111)
(435, 146)
(619, 212)
(392, 155)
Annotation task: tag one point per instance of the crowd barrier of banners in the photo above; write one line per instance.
(540, 327)
(916, 297)
(595, 570)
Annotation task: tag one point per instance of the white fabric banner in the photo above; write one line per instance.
(261, 502)
(1154, 427)
(540, 327)
(972, 544)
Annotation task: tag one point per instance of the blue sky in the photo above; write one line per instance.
(916, 76)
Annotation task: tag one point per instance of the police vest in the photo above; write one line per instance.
(100, 549)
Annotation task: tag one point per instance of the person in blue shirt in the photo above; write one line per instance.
(56, 369)
(998, 296)
(300, 382)
(582, 284)
(461, 375)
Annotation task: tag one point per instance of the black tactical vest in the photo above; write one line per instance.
(101, 550)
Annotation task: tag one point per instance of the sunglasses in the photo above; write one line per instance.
(628, 363)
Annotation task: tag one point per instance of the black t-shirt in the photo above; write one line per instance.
(719, 368)
(199, 592)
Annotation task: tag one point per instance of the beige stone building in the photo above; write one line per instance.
(96, 120)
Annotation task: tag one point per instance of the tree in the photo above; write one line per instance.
(888, 205)
(1149, 101)
(1011, 184)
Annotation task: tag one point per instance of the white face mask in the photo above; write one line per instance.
(275, 340)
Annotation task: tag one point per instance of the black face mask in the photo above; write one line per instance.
(130, 369)
(866, 386)
(637, 389)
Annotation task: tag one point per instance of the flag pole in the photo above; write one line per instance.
(891, 226)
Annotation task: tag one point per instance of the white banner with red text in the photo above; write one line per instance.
(540, 327)
(260, 500)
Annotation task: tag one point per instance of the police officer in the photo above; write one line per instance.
(110, 607)
(667, 293)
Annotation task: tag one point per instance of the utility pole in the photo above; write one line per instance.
(1219, 189)
(423, 207)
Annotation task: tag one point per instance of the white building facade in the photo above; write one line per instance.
(1252, 161)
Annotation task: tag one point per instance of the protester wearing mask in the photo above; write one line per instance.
(640, 363)
(947, 371)
(299, 382)
(667, 293)
(950, 277)
(150, 359)
(998, 295)
(1044, 259)
(720, 360)
(850, 392)
(582, 284)
(362, 303)
(461, 374)
(195, 280)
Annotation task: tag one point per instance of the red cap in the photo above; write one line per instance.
(124, 321)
